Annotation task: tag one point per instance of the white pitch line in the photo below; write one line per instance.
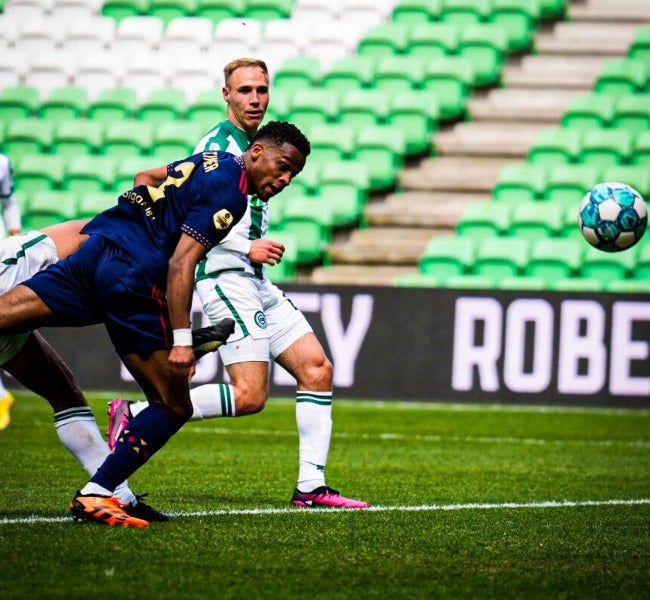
(386, 436)
(379, 508)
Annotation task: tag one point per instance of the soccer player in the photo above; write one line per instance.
(135, 274)
(11, 225)
(231, 283)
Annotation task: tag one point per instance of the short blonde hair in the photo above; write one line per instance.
(238, 63)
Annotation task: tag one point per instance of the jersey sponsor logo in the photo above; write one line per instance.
(222, 219)
(260, 319)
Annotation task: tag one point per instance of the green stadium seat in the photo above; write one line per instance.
(451, 79)
(552, 10)
(417, 280)
(577, 284)
(171, 9)
(534, 220)
(332, 141)
(162, 106)
(482, 219)
(469, 282)
(641, 153)
(92, 203)
(382, 149)
(297, 72)
(125, 138)
(448, 255)
(629, 286)
(554, 258)
(605, 266)
(349, 72)
(433, 40)
(174, 140)
(63, 104)
(620, 76)
(632, 112)
(396, 74)
(384, 39)
(517, 182)
(554, 146)
(569, 183)
(587, 111)
(519, 18)
(416, 113)
(414, 12)
(119, 9)
(48, 208)
(500, 257)
(27, 136)
(521, 282)
(286, 269)
(360, 108)
(79, 136)
(36, 172)
(217, 10)
(265, 10)
(465, 12)
(640, 47)
(88, 173)
(636, 176)
(343, 187)
(113, 104)
(641, 271)
(570, 227)
(128, 167)
(209, 108)
(605, 147)
(485, 46)
(314, 106)
(18, 102)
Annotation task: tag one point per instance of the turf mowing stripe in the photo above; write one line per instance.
(418, 508)
(428, 438)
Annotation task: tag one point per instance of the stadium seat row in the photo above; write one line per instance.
(592, 110)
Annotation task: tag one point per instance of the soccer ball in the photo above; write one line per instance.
(613, 216)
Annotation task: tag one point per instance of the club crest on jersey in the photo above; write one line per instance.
(222, 219)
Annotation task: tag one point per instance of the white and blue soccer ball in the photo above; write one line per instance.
(613, 216)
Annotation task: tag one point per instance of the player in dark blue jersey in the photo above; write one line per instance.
(136, 275)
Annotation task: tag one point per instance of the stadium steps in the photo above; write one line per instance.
(611, 12)
(524, 105)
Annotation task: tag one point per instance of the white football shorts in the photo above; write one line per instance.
(21, 256)
(266, 322)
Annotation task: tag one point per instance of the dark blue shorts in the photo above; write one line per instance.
(100, 283)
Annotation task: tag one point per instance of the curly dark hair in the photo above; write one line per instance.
(281, 132)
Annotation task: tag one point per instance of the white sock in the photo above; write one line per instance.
(212, 400)
(78, 432)
(314, 420)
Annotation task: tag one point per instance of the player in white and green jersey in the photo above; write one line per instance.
(231, 283)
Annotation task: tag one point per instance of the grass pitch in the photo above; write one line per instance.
(467, 502)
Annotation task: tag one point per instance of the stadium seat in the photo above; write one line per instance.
(382, 149)
(360, 108)
(332, 141)
(136, 37)
(416, 113)
(92, 203)
(97, 74)
(629, 286)
(620, 76)
(35, 172)
(605, 266)
(638, 176)
(13, 66)
(77, 137)
(175, 140)
(570, 227)
(554, 258)
(208, 108)
(554, 146)
(90, 173)
(483, 219)
(415, 12)
(308, 180)
(48, 208)
(112, 105)
(384, 40)
(147, 72)
(640, 47)
(448, 255)
(265, 10)
(641, 271)
(49, 71)
(632, 112)
(27, 136)
(89, 35)
(314, 106)
(568, 183)
(187, 36)
(195, 76)
(641, 153)
(350, 72)
(64, 103)
(605, 147)
(417, 280)
(577, 284)
(519, 181)
(485, 46)
(286, 269)
(128, 167)
(521, 282)
(167, 10)
(499, 257)
(125, 138)
(433, 40)
(468, 282)
(398, 73)
(587, 111)
(343, 187)
(519, 19)
(451, 79)
(119, 9)
(162, 106)
(464, 12)
(534, 220)
(297, 72)
(218, 10)
(18, 102)
(552, 10)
